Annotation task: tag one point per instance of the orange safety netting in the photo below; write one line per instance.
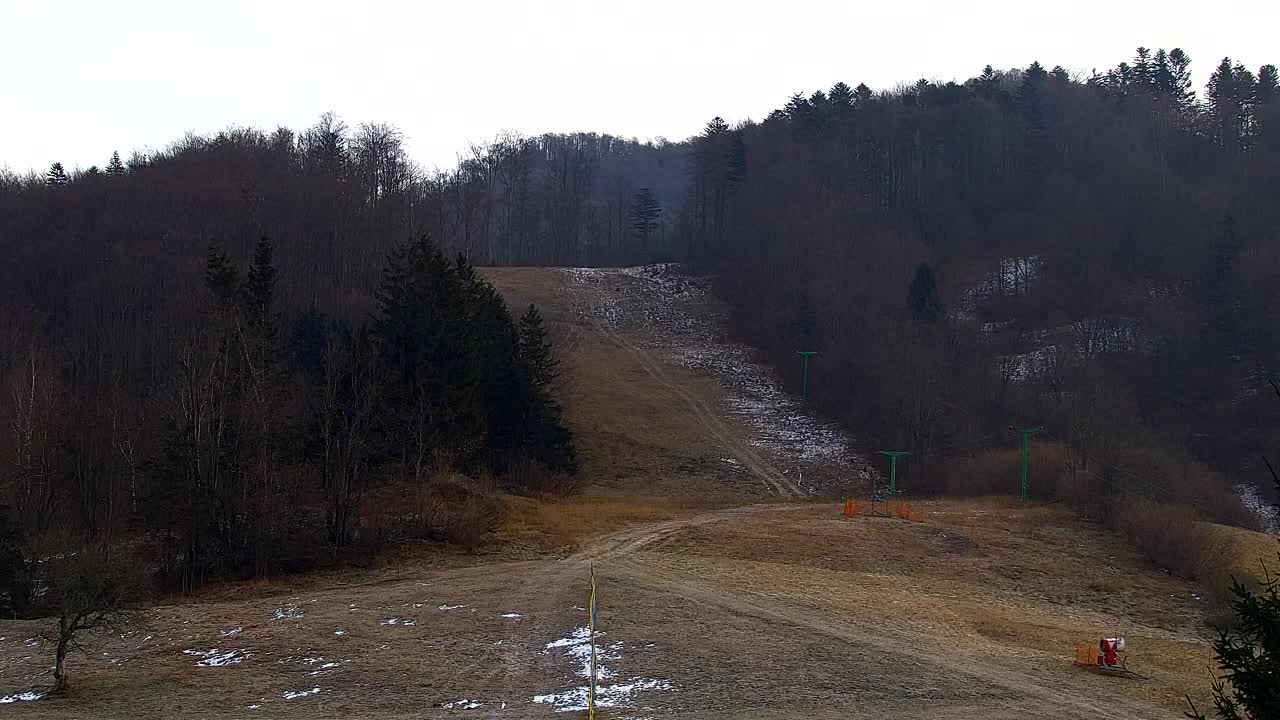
(1086, 655)
(905, 512)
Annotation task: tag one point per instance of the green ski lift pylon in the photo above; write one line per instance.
(1026, 434)
(804, 384)
(893, 467)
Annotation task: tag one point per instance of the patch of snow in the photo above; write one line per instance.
(295, 694)
(324, 669)
(218, 658)
(610, 696)
(1268, 514)
(252, 707)
(400, 622)
(231, 633)
(513, 615)
(289, 612)
(462, 705)
(661, 296)
(577, 647)
(1023, 367)
(29, 696)
(452, 607)
(339, 632)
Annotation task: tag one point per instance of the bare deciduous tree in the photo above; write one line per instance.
(94, 591)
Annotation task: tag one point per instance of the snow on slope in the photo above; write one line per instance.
(671, 312)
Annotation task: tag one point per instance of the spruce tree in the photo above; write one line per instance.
(798, 110)
(1248, 654)
(1225, 95)
(1268, 85)
(922, 298)
(427, 345)
(643, 215)
(115, 168)
(1162, 75)
(715, 128)
(1180, 68)
(840, 97)
(57, 176)
(1144, 71)
(535, 351)
(260, 283)
(220, 275)
(549, 440)
(862, 95)
(989, 83)
(736, 160)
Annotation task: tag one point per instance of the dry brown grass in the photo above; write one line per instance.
(998, 471)
(980, 578)
(1175, 539)
(634, 436)
(572, 521)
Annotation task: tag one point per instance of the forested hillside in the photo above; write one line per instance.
(1095, 255)
(225, 406)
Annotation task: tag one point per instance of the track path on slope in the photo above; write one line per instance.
(777, 483)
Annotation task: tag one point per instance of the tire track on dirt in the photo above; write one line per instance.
(1061, 693)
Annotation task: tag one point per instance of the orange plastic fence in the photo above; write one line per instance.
(852, 508)
(905, 512)
(1086, 655)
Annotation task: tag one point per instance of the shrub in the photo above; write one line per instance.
(999, 472)
(1175, 538)
(527, 477)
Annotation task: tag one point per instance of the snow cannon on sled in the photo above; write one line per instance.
(1106, 657)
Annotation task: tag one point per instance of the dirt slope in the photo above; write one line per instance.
(743, 601)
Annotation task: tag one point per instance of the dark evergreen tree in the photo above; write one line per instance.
(260, 284)
(1144, 71)
(220, 274)
(643, 215)
(1030, 103)
(115, 168)
(862, 95)
(820, 103)
(1268, 86)
(1230, 96)
(550, 441)
(922, 298)
(988, 83)
(56, 177)
(799, 111)
(1248, 653)
(736, 160)
(841, 97)
(535, 350)
(1180, 70)
(446, 346)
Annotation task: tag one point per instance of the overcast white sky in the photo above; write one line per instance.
(79, 79)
